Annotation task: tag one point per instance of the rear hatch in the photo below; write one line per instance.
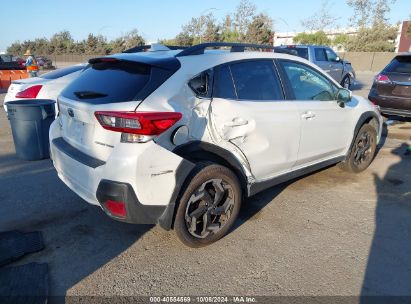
(395, 82)
(109, 85)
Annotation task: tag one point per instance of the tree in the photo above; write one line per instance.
(243, 17)
(60, 43)
(199, 29)
(340, 40)
(127, 41)
(374, 32)
(321, 20)
(317, 38)
(228, 32)
(260, 30)
(409, 28)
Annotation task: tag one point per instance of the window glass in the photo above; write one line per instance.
(62, 72)
(109, 82)
(320, 54)
(224, 86)
(400, 64)
(306, 83)
(200, 84)
(256, 80)
(331, 55)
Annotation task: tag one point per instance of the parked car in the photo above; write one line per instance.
(7, 62)
(391, 89)
(44, 62)
(181, 137)
(323, 56)
(46, 86)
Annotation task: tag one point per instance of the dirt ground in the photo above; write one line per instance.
(330, 233)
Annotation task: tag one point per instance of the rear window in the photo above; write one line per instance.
(109, 82)
(62, 72)
(296, 51)
(400, 64)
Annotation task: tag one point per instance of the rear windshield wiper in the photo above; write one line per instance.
(89, 95)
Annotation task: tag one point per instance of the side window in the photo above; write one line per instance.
(256, 80)
(200, 84)
(223, 84)
(306, 83)
(331, 55)
(320, 54)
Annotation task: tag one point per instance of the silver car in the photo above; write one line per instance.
(326, 59)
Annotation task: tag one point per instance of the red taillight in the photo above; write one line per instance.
(117, 209)
(141, 123)
(382, 78)
(30, 92)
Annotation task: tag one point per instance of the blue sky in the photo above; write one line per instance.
(153, 19)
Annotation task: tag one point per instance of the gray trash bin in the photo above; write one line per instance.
(30, 120)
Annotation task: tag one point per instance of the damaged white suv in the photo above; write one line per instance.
(181, 137)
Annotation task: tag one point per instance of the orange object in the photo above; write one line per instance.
(7, 76)
(32, 68)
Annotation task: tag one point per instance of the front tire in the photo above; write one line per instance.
(209, 205)
(363, 150)
(346, 82)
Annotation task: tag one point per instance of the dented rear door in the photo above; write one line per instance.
(248, 110)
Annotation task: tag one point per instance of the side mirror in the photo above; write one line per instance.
(337, 59)
(343, 96)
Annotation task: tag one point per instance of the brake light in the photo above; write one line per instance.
(381, 78)
(141, 124)
(117, 209)
(30, 92)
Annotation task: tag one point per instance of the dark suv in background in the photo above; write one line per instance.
(391, 89)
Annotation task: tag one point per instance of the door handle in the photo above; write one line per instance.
(308, 115)
(236, 122)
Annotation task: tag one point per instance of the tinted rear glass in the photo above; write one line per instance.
(224, 86)
(401, 64)
(296, 51)
(109, 82)
(62, 72)
(256, 80)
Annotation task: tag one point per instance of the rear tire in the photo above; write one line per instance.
(362, 151)
(208, 206)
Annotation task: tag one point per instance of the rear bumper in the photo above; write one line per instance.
(397, 112)
(147, 178)
(396, 105)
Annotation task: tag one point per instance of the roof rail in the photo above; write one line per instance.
(235, 47)
(145, 48)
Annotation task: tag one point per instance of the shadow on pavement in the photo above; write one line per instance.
(79, 238)
(388, 271)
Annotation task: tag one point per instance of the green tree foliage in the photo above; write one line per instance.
(340, 40)
(243, 17)
(375, 34)
(244, 25)
(409, 27)
(63, 43)
(317, 38)
(260, 30)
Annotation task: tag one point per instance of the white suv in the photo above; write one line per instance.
(181, 137)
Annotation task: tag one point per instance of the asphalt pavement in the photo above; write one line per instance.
(330, 233)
